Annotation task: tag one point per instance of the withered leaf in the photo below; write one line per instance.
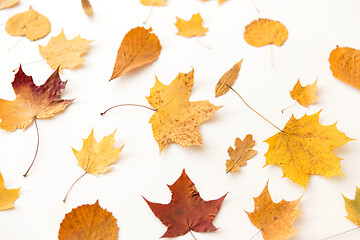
(228, 78)
(191, 28)
(304, 95)
(353, 207)
(7, 196)
(8, 3)
(87, 7)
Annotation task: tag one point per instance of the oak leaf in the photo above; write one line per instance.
(156, 3)
(262, 32)
(138, 48)
(32, 101)
(228, 78)
(304, 147)
(353, 207)
(344, 64)
(241, 154)
(191, 28)
(274, 219)
(187, 211)
(90, 222)
(62, 53)
(8, 3)
(304, 95)
(31, 24)
(176, 119)
(87, 7)
(96, 158)
(7, 196)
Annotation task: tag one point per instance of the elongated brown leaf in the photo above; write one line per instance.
(87, 7)
(228, 78)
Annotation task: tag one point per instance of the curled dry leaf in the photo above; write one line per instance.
(241, 154)
(344, 64)
(274, 219)
(304, 95)
(176, 119)
(87, 7)
(156, 3)
(138, 48)
(8, 3)
(7, 196)
(262, 32)
(62, 53)
(90, 222)
(32, 101)
(304, 147)
(228, 78)
(191, 28)
(31, 24)
(353, 207)
(187, 211)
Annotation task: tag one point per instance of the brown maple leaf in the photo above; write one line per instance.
(187, 211)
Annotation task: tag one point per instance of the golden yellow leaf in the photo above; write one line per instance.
(87, 7)
(344, 64)
(191, 28)
(156, 3)
(241, 154)
(274, 219)
(31, 24)
(265, 31)
(96, 158)
(7, 197)
(138, 48)
(228, 78)
(304, 95)
(8, 3)
(304, 147)
(353, 207)
(62, 53)
(176, 119)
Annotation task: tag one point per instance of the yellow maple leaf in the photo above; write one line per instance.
(227, 79)
(8, 3)
(274, 219)
(243, 151)
(191, 28)
(175, 118)
(156, 3)
(7, 197)
(304, 95)
(62, 53)
(31, 24)
(353, 207)
(262, 32)
(304, 147)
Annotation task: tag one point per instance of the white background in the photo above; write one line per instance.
(315, 28)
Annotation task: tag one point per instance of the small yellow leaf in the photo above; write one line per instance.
(87, 7)
(265, 31)
(156, 3)
(304, 95)
(7, 197)
(30, 24)
(96, 158)
(63, 53)
(8, 3)
(191, 28)
(353, 207)
(228, 78)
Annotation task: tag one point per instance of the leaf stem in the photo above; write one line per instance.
(192, 234)
(341, 233)
(73, 185)
(255, 234)
(21, 38)
(202, 44)
(271, 55)
(282, 111)
(24, 64)
(127, 104)
(254, 4)
(37, 147)
(252, 108)
(149, 15)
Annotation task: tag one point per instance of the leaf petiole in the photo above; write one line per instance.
(127, 104)
(336, 235)
(37, 147)
(73, 186)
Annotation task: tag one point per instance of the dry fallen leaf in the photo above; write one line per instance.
(138, 48)
(176, 119)
(62, 53)
(344, 64)
(90, 222)
(7, 197)
(353, 208)
(191, 28)
(304, 147)
(304, 95)
(265, 31)
(274, 219)
(87, 7)
(31, 24)
(187, 211)
(156, 3)
(228, 78)
(32, 101)
(8, 3)
(241, 154)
